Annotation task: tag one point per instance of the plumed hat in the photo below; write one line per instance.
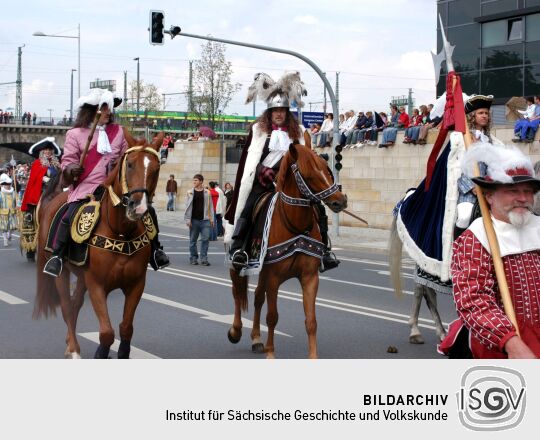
(281, 93)
(98, 97)
(505, 166)
(5, 179)
(476, 102)
(48, 142)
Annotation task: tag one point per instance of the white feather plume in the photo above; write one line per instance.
(263, 85)
(291, 84)
(498, 160)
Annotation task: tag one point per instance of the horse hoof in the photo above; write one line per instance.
(258, 348)
(416, 339)
(234, 339)
(102, 352)
(124, 349)
(72, 355)
(270, 355)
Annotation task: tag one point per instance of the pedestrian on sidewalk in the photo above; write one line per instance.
(220, 210)
(171, 189)
(8, 208)
(199, 217)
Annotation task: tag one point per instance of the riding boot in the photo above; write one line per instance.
(54, 265)
(239, 256)
(329, 259)
(158, 258)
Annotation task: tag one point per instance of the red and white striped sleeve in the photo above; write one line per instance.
(475, 293)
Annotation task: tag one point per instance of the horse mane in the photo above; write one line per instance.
(283, 170)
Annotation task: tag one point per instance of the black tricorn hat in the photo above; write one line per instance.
(476, 102)
(48, 142)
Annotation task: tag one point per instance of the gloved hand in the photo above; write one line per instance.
(72, 172)
(265, 175)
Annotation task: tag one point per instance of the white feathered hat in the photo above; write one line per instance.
(5, 179)
(505, 166)
(281, 93)
(98, 97)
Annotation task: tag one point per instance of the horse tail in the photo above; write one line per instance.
(240, 290)
(394, 258)
(47, 296)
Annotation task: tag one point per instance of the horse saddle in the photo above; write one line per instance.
(85, 221)
(258, 219)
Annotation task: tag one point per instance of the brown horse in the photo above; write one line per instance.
(130, 188)
(304, 178)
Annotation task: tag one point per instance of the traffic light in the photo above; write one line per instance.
(156, 27)
(338, 158)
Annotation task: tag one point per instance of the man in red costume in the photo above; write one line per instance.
(43, 170)
(509, 188)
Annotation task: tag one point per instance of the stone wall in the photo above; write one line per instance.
(374, 179)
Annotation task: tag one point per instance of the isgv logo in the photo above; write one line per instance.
(491, 398)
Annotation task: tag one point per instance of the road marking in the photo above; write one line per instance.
(328, 303)
(372, 286)
(374, 262)
(165, 234)
(205, 314)
(387, 273)
(135, 353)
(10, 299)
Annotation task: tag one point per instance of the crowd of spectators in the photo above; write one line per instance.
(21, 173)
(359, 129)
(526, 127)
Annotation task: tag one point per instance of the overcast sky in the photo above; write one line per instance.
(381, 48)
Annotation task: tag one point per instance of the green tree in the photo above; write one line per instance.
(212, 86)
(150, 98)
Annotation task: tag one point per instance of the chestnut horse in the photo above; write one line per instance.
(131, 186)
(303, 178)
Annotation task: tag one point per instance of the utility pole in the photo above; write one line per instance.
(190, 88)
(138, 85)
(18, 94)
(324, 90)
(410, 102)
(125, 90)
(71, 99)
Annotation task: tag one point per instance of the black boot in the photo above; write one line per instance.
(239, 256)
(329, 259)
(158, 258)
(54, 265)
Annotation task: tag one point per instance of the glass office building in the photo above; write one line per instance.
(497, 46)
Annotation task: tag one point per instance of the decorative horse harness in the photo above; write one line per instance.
(87, 216)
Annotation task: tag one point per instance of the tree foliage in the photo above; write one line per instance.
(150, 98)
(212, 86)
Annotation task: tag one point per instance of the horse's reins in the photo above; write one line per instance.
(126, 193)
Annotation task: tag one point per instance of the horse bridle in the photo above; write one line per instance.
(126, 193)
(309, 196)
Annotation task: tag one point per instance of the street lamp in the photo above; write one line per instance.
(138, 85)
(71, 98)
(78, 37)
(50, 110)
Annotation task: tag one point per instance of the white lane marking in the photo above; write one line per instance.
(205, 314)
(371, 286)
(174, 235)
(135, 353)
(374, 262)
(10, 299)
(298, 296)
(387, 273)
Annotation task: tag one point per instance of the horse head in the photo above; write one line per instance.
(136, 176)
(312, 176)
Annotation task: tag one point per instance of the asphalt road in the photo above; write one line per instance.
(187, 310)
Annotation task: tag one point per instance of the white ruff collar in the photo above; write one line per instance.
(279, 140)
(512, 240)
(103, 144)
(9, 191)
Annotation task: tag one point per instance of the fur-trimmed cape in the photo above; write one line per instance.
(251, 157)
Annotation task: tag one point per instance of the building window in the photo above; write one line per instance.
(515, 29)
(533, 28)
(494, 33)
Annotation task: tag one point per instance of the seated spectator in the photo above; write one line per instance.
(359, 135)
(521, 126)
(348, 126)
(324, 135)
(432, 123)
(412, 132)
(380, 122)
(399, 120)
(352, 136)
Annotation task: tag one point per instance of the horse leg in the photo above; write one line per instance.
(239, 291)
(98, 296)
(272, 316)
(132, 298)
(431, 300)
(78, 298)
(310, 286)
(256, 344)
(415, 336)
(73, 349)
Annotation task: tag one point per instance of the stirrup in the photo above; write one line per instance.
(328, 261)
(53, 266)
(159, 259)
(239, 259)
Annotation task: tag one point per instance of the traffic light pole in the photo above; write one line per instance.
(335, 139)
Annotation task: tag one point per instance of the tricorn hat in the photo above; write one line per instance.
(98, 97)
(281, 93)
(48, 142)
(476, 102)
(504, 166)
